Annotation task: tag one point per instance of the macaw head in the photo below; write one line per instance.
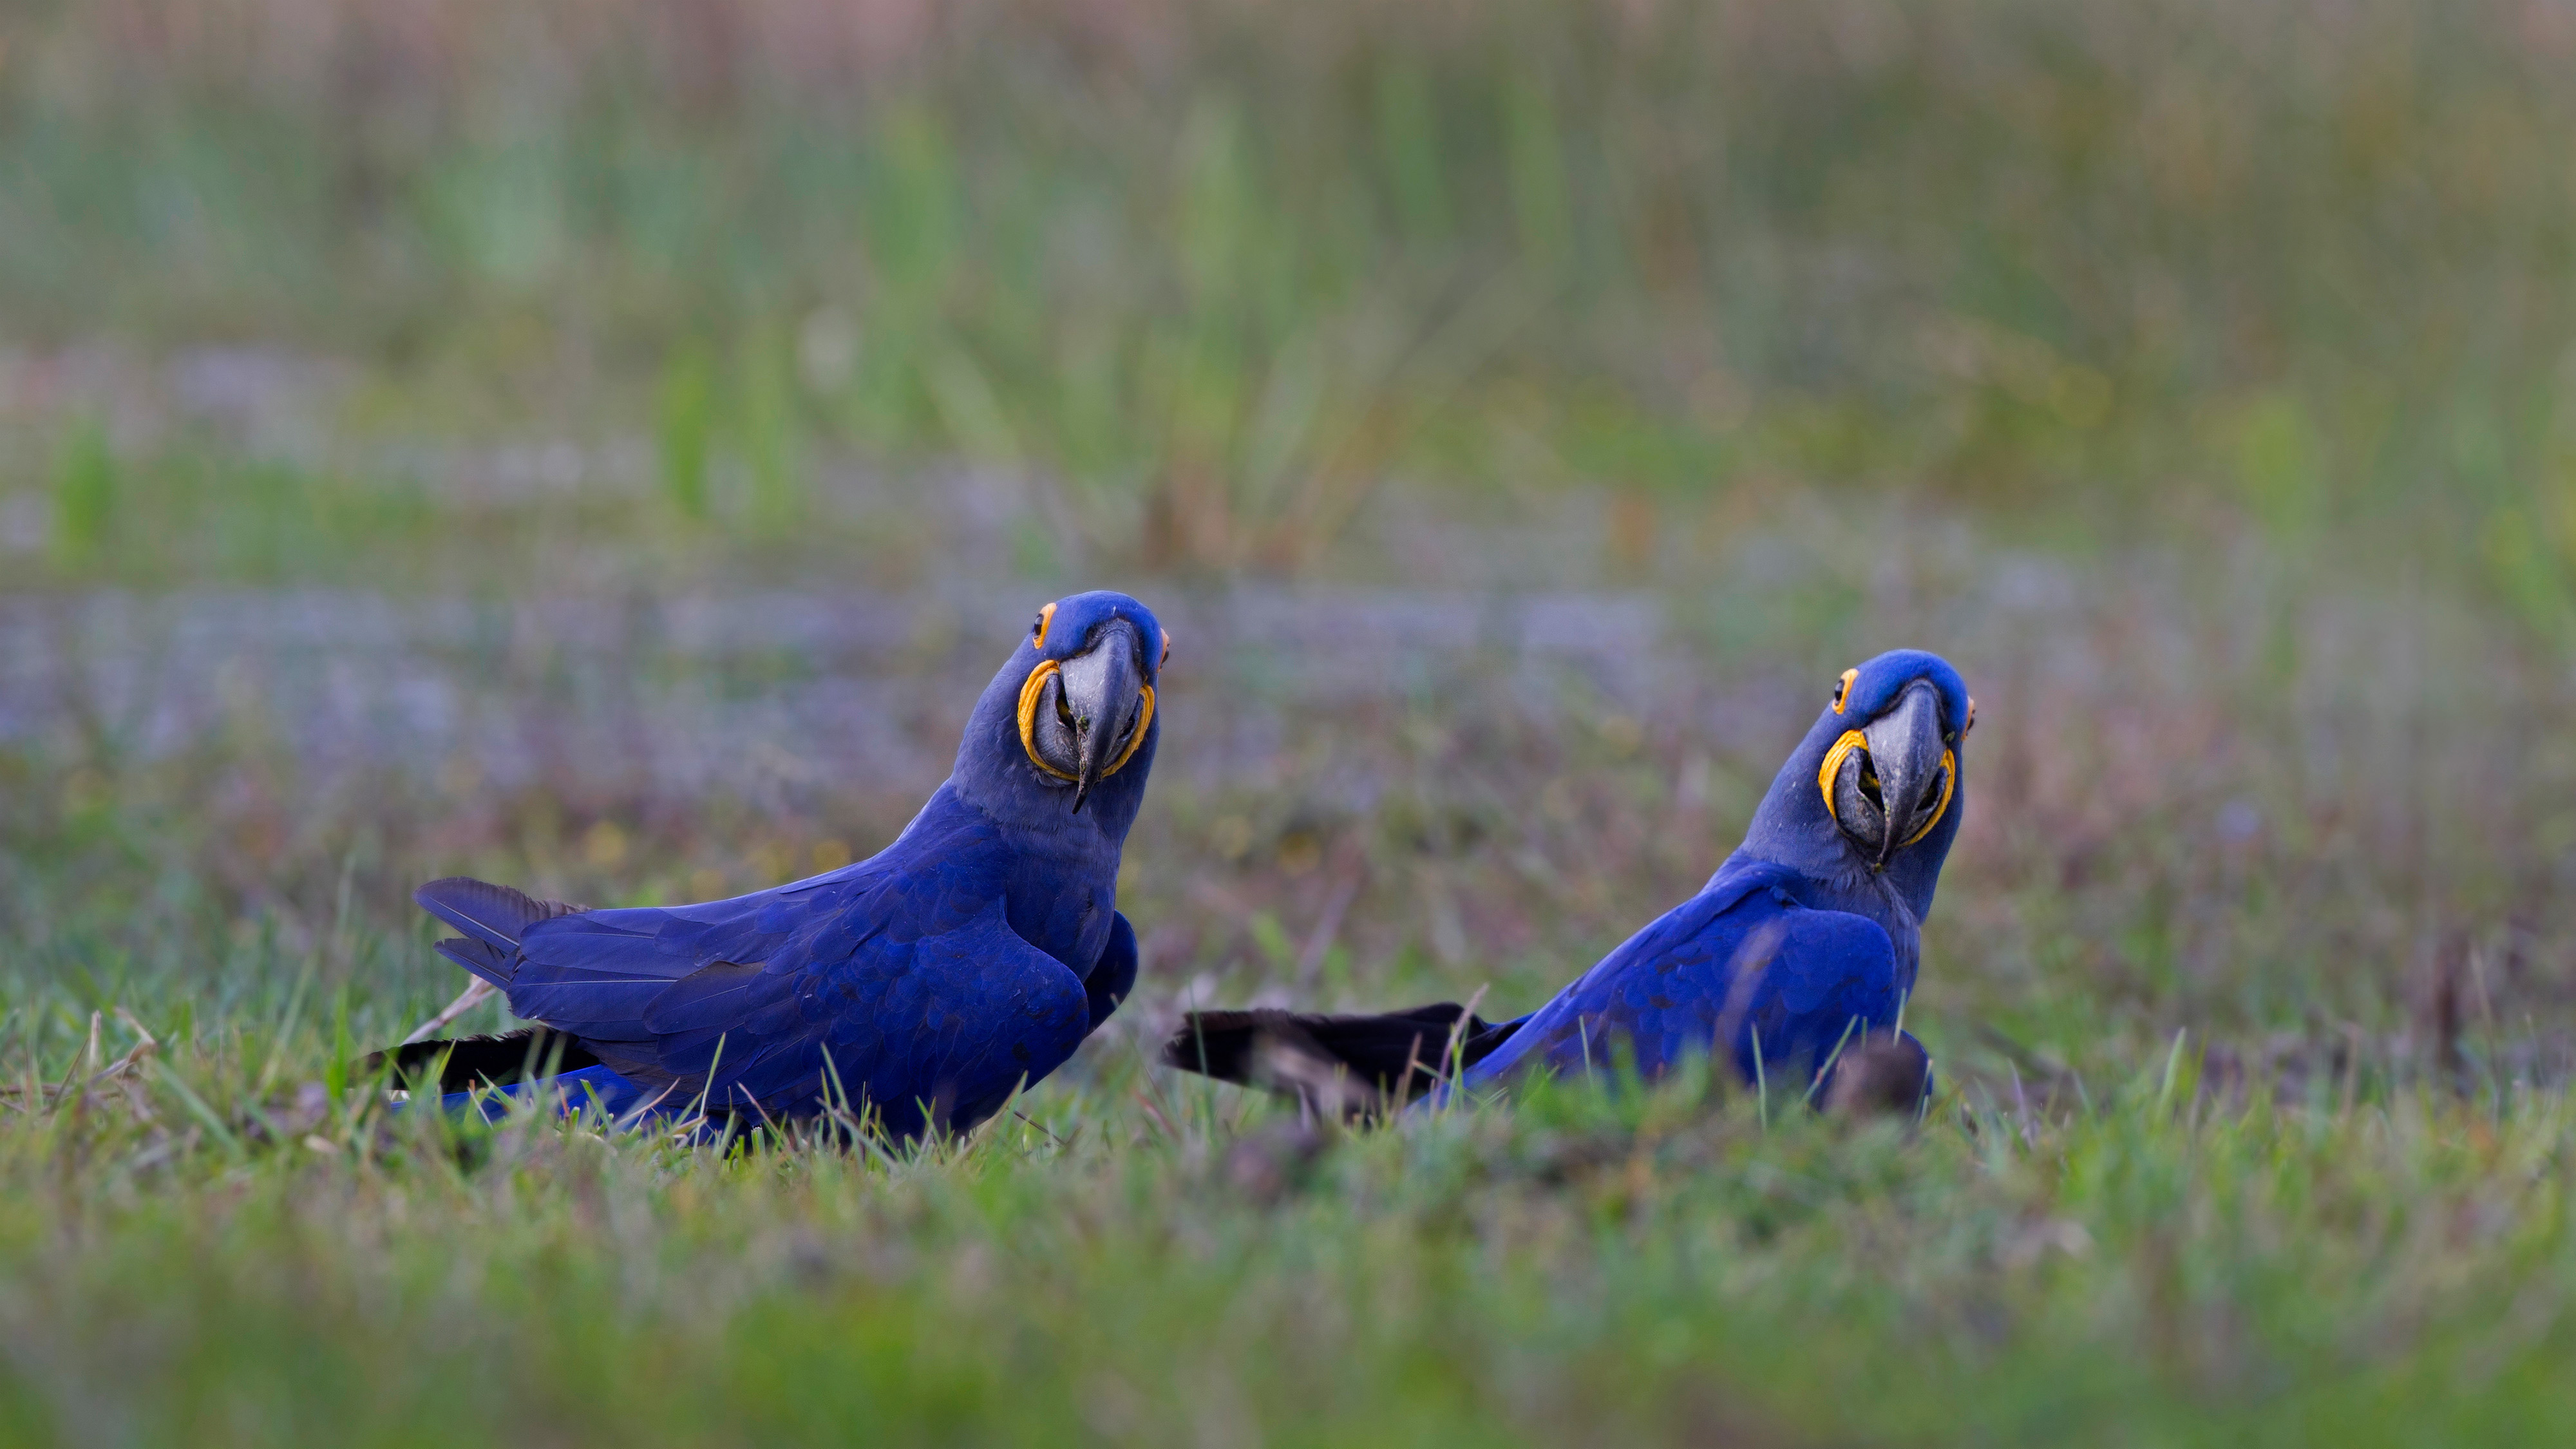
(1876, 787)
(1070, 719)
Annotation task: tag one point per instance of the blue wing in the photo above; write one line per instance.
(1112, 978)
(1742, 963)
(903, 989)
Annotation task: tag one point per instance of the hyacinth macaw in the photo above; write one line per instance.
(1797, 954)
(916, 989)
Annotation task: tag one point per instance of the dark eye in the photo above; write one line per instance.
(1842, 691)
(1038, 630)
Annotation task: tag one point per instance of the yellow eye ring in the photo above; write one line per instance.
(1037, 636)
(1034, 688)
(1842, 691)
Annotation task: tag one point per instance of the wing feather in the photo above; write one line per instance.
(1754, 963)
(913, 1021)
(493, 914)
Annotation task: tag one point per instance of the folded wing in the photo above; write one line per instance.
(1769, 980)
(918, 1012)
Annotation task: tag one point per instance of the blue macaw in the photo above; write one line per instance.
(921, 986)
(1800, 950)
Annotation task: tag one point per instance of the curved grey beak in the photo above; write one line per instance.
(1905, 748)
(1103, 693)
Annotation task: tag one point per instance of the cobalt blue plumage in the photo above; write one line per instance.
(923, 985)
(1805, 942)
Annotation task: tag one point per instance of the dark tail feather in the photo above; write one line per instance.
(492, 963)
(518, 1056)
(493, 919)
(1360, 1062)
(494, 915)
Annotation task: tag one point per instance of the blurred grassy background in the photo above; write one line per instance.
(1216, 271)
(605, 446)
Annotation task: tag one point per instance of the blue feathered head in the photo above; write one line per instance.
(1068, 726)
(1877, 788)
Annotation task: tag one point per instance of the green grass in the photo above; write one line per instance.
(1133, 1263)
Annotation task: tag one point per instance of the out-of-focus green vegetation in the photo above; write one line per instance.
(261, 1264)
(1221, 268)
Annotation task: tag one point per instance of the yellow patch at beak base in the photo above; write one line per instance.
(1949, 782)
(1034, 689)
(1833, 765)
(1136, 738)
(1030, 693)
(1851, 740)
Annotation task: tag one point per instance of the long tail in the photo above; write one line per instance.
(1345, 1064)
(1354, 1065)
(526, 1055)
(493, 919)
